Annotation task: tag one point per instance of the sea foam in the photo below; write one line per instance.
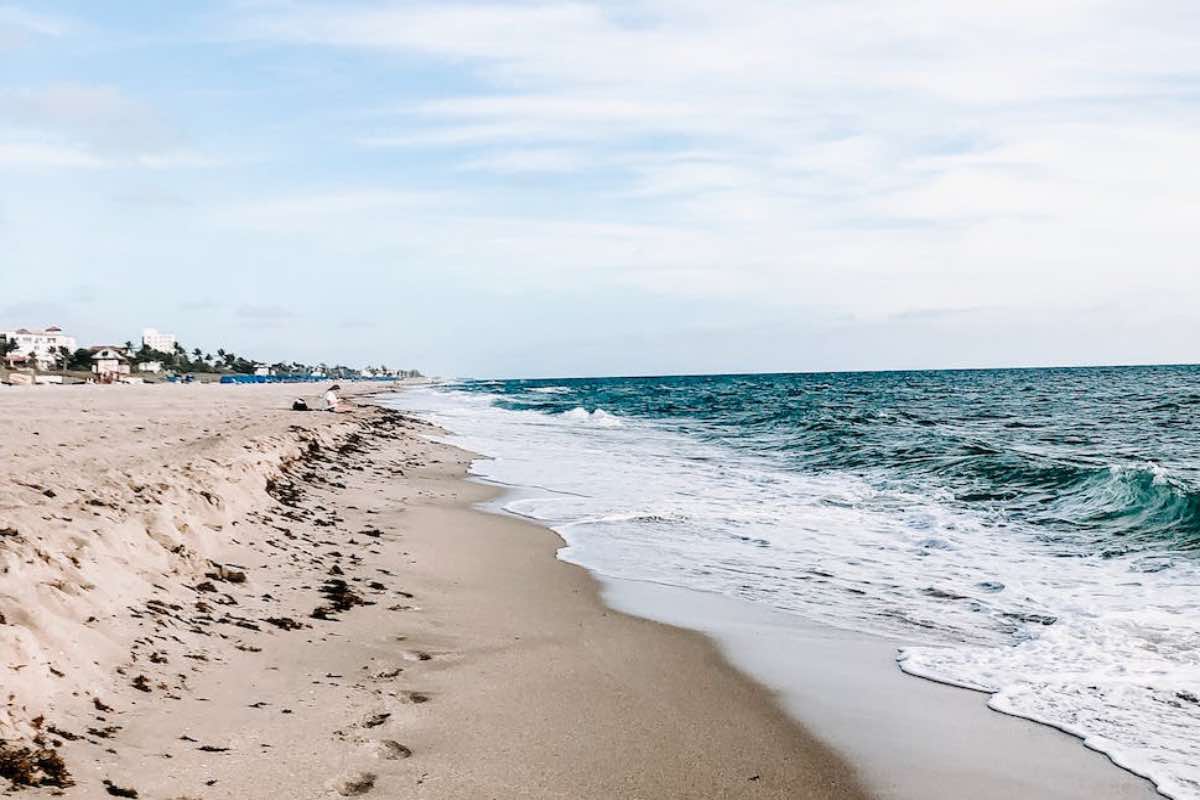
(1104, 646)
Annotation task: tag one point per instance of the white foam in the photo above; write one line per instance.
(1117, 665)
(599, 418)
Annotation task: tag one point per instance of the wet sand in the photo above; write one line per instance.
(910, 739)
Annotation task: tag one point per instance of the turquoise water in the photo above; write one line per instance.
(1035, 533)
(1099, 461)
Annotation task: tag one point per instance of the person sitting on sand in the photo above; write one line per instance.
(331, 398)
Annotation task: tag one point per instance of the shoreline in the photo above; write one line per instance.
(928, 740)
(311, 605)
(910, 738)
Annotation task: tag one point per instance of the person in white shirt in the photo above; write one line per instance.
(331, 398)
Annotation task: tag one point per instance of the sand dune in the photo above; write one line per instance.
(113, 495)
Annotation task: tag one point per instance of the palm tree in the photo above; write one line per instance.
(81, 359)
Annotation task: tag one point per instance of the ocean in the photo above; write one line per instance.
(1034, 534)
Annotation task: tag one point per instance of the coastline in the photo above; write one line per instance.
(908, 738)
(262, 603)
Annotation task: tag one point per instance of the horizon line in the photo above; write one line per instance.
(877, 371)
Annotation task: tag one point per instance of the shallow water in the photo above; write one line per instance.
(1037, 531)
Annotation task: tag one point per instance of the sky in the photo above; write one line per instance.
(608, 188)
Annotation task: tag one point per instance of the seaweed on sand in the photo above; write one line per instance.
(341, 598)
(33, 766)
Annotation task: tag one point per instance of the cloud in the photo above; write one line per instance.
(816, 136)
(333, 211)
(42, 155)
(931, 49)
(103, 118)
(152, 197)
(888, 164)
(91, 127)
(20, 26)
(515, 162)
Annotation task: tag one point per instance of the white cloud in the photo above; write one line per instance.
(78, 125)
(20, 26)
(103, 118)
(350, 217)
(181, 159)
(1019, 50)
(39, 155)
(513, 162)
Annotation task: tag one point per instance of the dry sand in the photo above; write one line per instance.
(205, 596)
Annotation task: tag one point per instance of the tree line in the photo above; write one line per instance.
(179, 360)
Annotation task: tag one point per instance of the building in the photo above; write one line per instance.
(162, 342)
(150, 366)
(262, 370)
(39, 347)
(109, 363)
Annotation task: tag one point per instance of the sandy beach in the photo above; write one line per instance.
(729, 400)
(205, 595)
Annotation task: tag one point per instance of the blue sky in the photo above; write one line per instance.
(637, 186)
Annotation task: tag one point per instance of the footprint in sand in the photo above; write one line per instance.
(392, 750)
(375, 720)
(357, 784)
(416, 655)
(414, 697)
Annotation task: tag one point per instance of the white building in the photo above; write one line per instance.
(40, 346)
(109, 363)
(262, 370)
(150, 366)
(162, 342)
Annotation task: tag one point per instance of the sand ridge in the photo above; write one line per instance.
(114, 500)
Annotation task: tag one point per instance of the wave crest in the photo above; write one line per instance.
(598, 418)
